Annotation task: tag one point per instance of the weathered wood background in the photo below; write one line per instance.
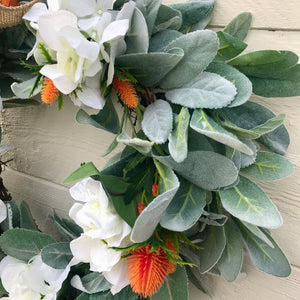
(49, 145)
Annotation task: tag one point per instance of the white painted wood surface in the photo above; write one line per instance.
(49, 145)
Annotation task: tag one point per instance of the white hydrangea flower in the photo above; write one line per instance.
(31, 281)
(103, 228)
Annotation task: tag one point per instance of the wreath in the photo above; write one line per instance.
(181, 199)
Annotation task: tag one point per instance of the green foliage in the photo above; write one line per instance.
(13, 216)
(175, 287)
(86, 170)
(207, 90)
(26, 219)
(23, 244)
(269, 166)
(57, 255)
(248, 202)
(94, 283)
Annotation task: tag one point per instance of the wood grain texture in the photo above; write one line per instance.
(267, 14)
(49, 145)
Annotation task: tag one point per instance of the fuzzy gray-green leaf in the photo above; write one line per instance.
(178, 139)
(207, 90)
(248, 202)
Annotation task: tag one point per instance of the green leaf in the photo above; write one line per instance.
(161, 40)
(106, 119)
(147, 221)
(212, 247)
(95, 282)
(86, 170)
(26, 219)
(13, 216)
(158, 121)
(23, 90)
(269, 166)
(241, 82)
(247, 160)
(175, 287)
(149, 9)
(204, 124)
(23, 244)
(239, 26)
(231, 261)
(11, 103)
(267, 259)
(211, 218)
(178, 139)
(264, 63)
(150, 68)
(257, 232)
(193, 11)
(248, 202)
(208, 170)
(143, 146)
(230, 46)
(111, 147)
(137, 38)
(167, 18)
(207, 90)
(57, 255)
(286, 83)
(186, 207)
(200, 47)
(251, 115)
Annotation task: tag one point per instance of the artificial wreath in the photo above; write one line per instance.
(179, 200)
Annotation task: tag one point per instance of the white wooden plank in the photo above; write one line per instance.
(270, 14)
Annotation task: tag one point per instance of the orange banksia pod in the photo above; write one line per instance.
(126, 92)
(140, 207)
(9, 3)
(49, 92)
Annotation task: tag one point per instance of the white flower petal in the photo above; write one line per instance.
(63, 83)
(81, 248)
(77, 284)
(115, 30)
(127, 11)
(3, 210)
(37, 10)
(84, 189)
(105, 5)
(82, 8)
(117, 276)
(91, 97)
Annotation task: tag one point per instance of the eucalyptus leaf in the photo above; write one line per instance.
(230, 46)
(167, 18)
(231, 261)
(147, 221)
(193, 11)
(185, 209)
(200, 47)
(204, 124)
(208, 170)
(268, 259)
(137, 38)
(175, 287)
(11, 103)
(212, 247)
(106, 119)
(248, 202)
(178, 139)
(158, 121)
(239, 26)
(251, 115)
(13, 216)
(57, 255)
(23, 244)
(95, 282)
(241, 82)
(86, 170)
(207, 90)
(269, 166)
(150, 68)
